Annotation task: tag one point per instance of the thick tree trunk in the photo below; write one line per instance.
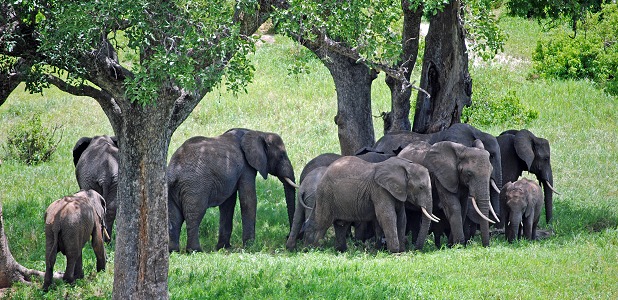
(10, 270)
(353, 84)
(399, 116)
(141, 258)
(445, 73)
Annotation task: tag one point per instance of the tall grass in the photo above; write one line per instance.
(578, 261)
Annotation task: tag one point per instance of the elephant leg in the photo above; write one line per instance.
(176, 218)
(363, 231)
(79, 268)
(99, 249)
(401, 227)
(380, 241)
(341, 232)
(110, 210)
(69, 272)
(50, 261)
(533, 235)
(226, 218)
(387, 218)
(193, 217)
(528, 228)
(248, 209)
(297, 222)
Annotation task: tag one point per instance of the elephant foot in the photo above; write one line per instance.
(248, 243)
(221, 245)
(196, 249)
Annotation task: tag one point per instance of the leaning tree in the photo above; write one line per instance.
(147, 64)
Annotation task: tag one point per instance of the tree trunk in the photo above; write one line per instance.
(10, 270)
(353, 84)
(445, 73)
(399, 116)
(141, 258)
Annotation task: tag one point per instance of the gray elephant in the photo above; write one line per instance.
(96, 167)
(206, 172)
(355, 190)
(522, 202)
(69, 223)
(305, 204)
(362, 230)
(522, 151)
(461, 133)
(460, 176)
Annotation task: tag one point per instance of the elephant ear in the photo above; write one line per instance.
(254, 147)
(393, 178)
(442, 161)
(523, 146)
(79, 148)
(479, 144)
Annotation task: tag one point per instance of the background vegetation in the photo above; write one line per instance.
(577, 261)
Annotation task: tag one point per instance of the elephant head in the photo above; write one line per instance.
(535, 153)
(266, 153)
(466, 135)
(522, 205)
(410, 183)
(461, 174)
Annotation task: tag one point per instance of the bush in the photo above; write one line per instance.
(507, 111)
(31, 143)
(592, 53)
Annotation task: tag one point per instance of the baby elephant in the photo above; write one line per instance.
(69, 223)
(522, 203)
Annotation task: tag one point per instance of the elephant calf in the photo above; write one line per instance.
(522, 202)
(69, 223)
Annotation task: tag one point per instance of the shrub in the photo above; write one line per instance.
(592, 53)
(507, 111)
(31, 143)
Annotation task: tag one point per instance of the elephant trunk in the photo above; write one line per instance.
(423, 231)
(548, 191)
(290, 200)
(298, 221)
(512, 231)
(483, 210)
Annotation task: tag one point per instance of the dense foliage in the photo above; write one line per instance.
(508, 111)
(555, 10)
(30, 142)
(592, 54)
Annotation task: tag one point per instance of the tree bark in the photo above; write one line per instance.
(445, 73)
(399, 116)
(141, 257)
(353, 85)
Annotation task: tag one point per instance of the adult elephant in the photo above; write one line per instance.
(461, 133)
(96, 168)
(522, 151)
(460, 175)
(206, 172)
(70, 222)
(353, 190)
(362, 230)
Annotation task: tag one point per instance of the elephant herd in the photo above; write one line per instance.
(450, 183)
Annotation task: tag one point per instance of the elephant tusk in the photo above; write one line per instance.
(435, 217)
(428, 216)
(290, 182)
(480, 213)
(552, 188)
(494, 185)
(493, 212)
(106, 235)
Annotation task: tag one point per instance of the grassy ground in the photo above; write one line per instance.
(578, 261)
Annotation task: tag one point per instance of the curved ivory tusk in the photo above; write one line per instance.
(106, 235)
(435, 217)
(428, 216)
(494, 185)
(493, 212)
(478, 211)
(552, 188)
(290, 182)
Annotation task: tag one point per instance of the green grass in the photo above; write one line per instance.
(578, 262)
